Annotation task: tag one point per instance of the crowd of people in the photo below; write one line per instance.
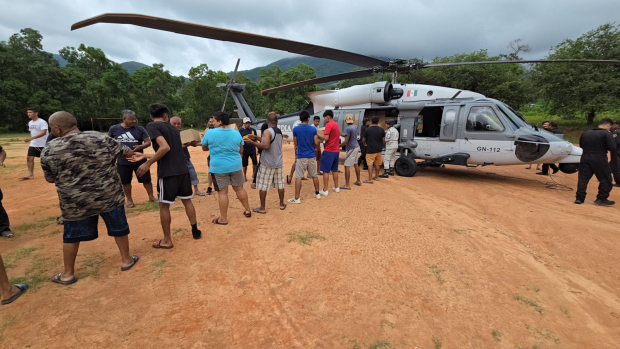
(93, 172)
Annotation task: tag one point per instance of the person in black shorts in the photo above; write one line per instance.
(135, 137)
(172, 173)
(249, 151)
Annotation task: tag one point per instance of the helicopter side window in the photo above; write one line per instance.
(449, 122)
(483, 119)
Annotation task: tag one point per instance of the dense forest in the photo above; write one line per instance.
(90, 85)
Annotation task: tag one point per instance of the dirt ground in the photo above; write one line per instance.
(451, 258)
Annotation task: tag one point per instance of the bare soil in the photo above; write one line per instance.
(451, 258)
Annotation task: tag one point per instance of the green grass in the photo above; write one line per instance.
(497, 335)
(304, 237)
(158, 268)
(6, 323)
(35, 275)
(18, 136)
(11, 258)
(35, 225)
(385, 323)
(91, 265)
(530, 302)
(176, 231)
(437, 342)
(145, 207)
(437, 272)
(201, 173)
(380, 345)
(180, 208)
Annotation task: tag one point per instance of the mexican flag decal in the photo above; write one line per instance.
(412, 93)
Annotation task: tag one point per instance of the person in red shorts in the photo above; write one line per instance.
(331, 154)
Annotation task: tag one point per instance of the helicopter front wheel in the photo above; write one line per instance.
(406, 166)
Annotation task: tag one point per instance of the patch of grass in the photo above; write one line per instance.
(35, 225)
(385, 323)
(536, 289)
(11, 258)
(35, 275)
(176, 231)
(18, 136)
(529, 302)
(437, 342)
(546, 334)
(497, 335)
(145, 207)
(55, 232)
(304, 237)
(6, 323)
(201, 173)
(11, 157)
(437, 272)
(158, 268)
(565, 312)
(180, 208)
(380, 345)
(458, 231)
(91, 264)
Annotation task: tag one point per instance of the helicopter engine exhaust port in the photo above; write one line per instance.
(569, 168)
(405, 166)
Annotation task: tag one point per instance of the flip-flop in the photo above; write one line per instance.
(358, 184)
(368, 182)
(135, 260)
(199, 193)
(22, 289)
(345, 188)
(56, 279)
(25, 178)
(131, 205)
(247, 213)
(158, 245)
(258, 211)
(154, 200)
(217, 221)
(283, 208)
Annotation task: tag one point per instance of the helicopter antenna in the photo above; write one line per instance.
(453, 97)
(232, 79)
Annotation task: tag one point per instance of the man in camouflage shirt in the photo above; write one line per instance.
(82, 165)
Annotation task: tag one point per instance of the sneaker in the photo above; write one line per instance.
(318, 196)
(384, 175)
(337, 190)
(542, 173)
(579, 202)
(295, 201)
(604, 202)
(556, 170)
(324, 193)
(209, 191)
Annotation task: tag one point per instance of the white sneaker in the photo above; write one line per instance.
(318, 196)
(294, 201)
(324, 193)
(337, 190)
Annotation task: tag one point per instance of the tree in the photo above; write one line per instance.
(287, 101)
(586, 89)
(200, 97)
(155, 85)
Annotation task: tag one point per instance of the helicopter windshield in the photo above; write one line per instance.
(516, 120)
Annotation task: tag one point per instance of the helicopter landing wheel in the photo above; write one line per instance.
(406, 166)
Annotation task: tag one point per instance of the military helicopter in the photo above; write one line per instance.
(438, 125)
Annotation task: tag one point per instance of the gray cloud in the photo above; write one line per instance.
(403, 29)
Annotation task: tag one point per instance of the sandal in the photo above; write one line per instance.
(199, 193)
(22, 289)
(130, 205)
(247, 213)
(368, 181)
(345, 188)
(217, 221)
(282, 208)
(258, 211)
(358, 184)
(158, 245)
(135, 260)
(57, 279)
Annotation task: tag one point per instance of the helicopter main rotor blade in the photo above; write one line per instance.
(587, 61)
(214, 33)
(232, 78)
(351, 75)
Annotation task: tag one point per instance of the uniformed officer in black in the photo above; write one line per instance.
(595, 144)
(615, 156)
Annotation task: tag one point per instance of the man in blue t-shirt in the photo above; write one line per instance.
(249, 151)
(136, 138)
(225, 146)
(306, 140)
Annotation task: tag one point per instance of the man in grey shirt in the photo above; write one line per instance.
(353, 152)
(270, 171)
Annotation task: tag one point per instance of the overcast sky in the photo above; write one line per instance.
(395, 29)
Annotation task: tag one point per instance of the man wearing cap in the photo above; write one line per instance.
(353, 152)
(249, 150)
(391, 145)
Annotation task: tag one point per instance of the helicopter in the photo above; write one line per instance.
(438, 125)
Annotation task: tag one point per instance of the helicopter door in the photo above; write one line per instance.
(449, 124)
(485, 137)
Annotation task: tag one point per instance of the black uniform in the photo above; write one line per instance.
(615, 158)
(4, 218)
(362, 159)
(595, 144)
(554, 167)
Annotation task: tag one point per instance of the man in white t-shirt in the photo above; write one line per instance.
(38, 138)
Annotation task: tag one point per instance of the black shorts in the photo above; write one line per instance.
(170, 188)
(126, 172)
(35, 151)
(246, 157)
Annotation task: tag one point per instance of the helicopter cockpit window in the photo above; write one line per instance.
(483, 119)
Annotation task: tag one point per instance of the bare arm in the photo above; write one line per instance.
(43, 133)
(265, 143)
(146, 144)
(325, 137)
(316, 141)
(152, 158)
(2, 157)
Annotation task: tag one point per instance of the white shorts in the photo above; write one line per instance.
(351, 158)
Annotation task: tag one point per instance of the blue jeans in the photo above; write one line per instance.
(86, 229)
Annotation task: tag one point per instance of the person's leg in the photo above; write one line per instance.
(123, 247)
(554, 167)
(545, 170)
(128, 197)
(369, 162)
(69, 254)
(290, 176)
(263, 198)
(149, 190)
(165, 219)
(254, 164)
(335, 177)
(222, 200)
(297, 188)
(30, 163)
(190, 210)
(602, 171)
(583, 177)
(325, 180)
(4, 217)
(281, 194)
(242, 195)
(6, 289)
(347, 176)
(358, 175)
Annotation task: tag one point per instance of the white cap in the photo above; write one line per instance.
(246, 120)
